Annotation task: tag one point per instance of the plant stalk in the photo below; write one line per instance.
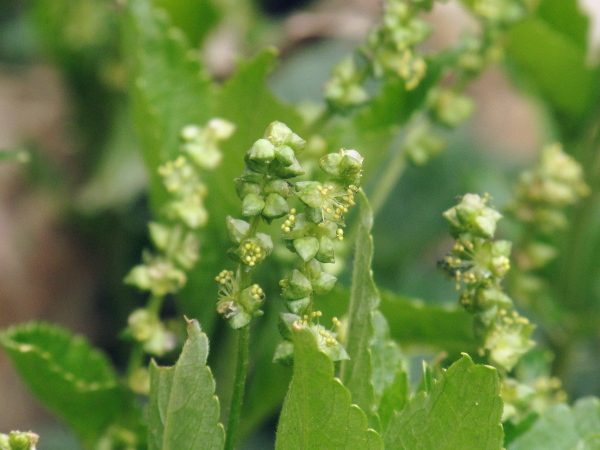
(239, 385)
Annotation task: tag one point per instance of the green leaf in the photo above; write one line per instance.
(463, 411)
(317, 411)
(386, 356)
(20, 156)
(393, 399)
(73, 380)
(564, 428)
(168, 85)
(416, 323)
(357, 372)
(549, 49)
(183, 410)
(196, 19)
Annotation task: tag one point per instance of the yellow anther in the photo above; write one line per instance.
(292, 211)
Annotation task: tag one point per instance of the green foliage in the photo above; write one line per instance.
(317, 411)
(73, 380)
(357, 372)
(562, 428)
(183, 411)
(396, 102)
(463, 410)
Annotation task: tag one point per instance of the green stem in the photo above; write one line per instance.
(388, 181)
(239, 386)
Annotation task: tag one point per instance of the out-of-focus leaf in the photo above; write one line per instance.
(183, 410)
(196, 19)
(561, 427)
(357, 372)
(386, 356)
(73, 380)
(20, 156)
(317, 411)
(463, 411)
(415, 323)
(549, 49)
(393, 399)
(168, 85)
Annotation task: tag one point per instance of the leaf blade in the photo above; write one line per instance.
(183, 410)
(317, 412)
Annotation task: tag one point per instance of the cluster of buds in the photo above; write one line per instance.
(326, 338)
(391, 44)
(311, 234)
(235, 305)
(522, 399)
(499, 12)
(344, 88)
(478, 264)
(177, 244)
(542, 193)
(18, 440)
(145, 327)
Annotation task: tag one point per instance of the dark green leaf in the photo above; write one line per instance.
(463, 411)
(73, 380)
(317, 411)
(183, 410)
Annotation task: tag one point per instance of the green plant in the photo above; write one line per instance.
(350, 385)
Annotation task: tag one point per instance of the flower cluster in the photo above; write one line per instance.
(326, 338)
(542, 193)
(265, 188)
(177, 246)
(478, 264)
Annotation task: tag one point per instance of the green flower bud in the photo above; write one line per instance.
(275, 206)
(280, 187)
(284, 353)
(157, 275)
(237, 229)
(315, 215)
(509, 339)
(262, 152)
(240, 319)
(490, 297)
(450, 108)
(252, 205)
(298, 306)
(330, 163)
(537, 255)
(190, 209)
(291, 171)
(306, 247)
(280, 134)
(473, 216)
(422, 144)
(251, 176)
(244, 188)
(312, 268)
(284, 324)
(324, 283)
(295, 285)
(266, 242)
(310, 194)
(351, 162)
(19, 440)
(251, 298)
(285, 155)
(326, 253)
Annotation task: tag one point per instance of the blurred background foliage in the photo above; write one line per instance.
(74, 217)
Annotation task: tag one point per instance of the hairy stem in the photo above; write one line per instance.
(239, 386)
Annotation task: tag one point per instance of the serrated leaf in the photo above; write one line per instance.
(317, 411)
(463, 412)
(357, 372)
(168, 85)
(563, 428)
(183, 410)
(386, 356)
(73, 380)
